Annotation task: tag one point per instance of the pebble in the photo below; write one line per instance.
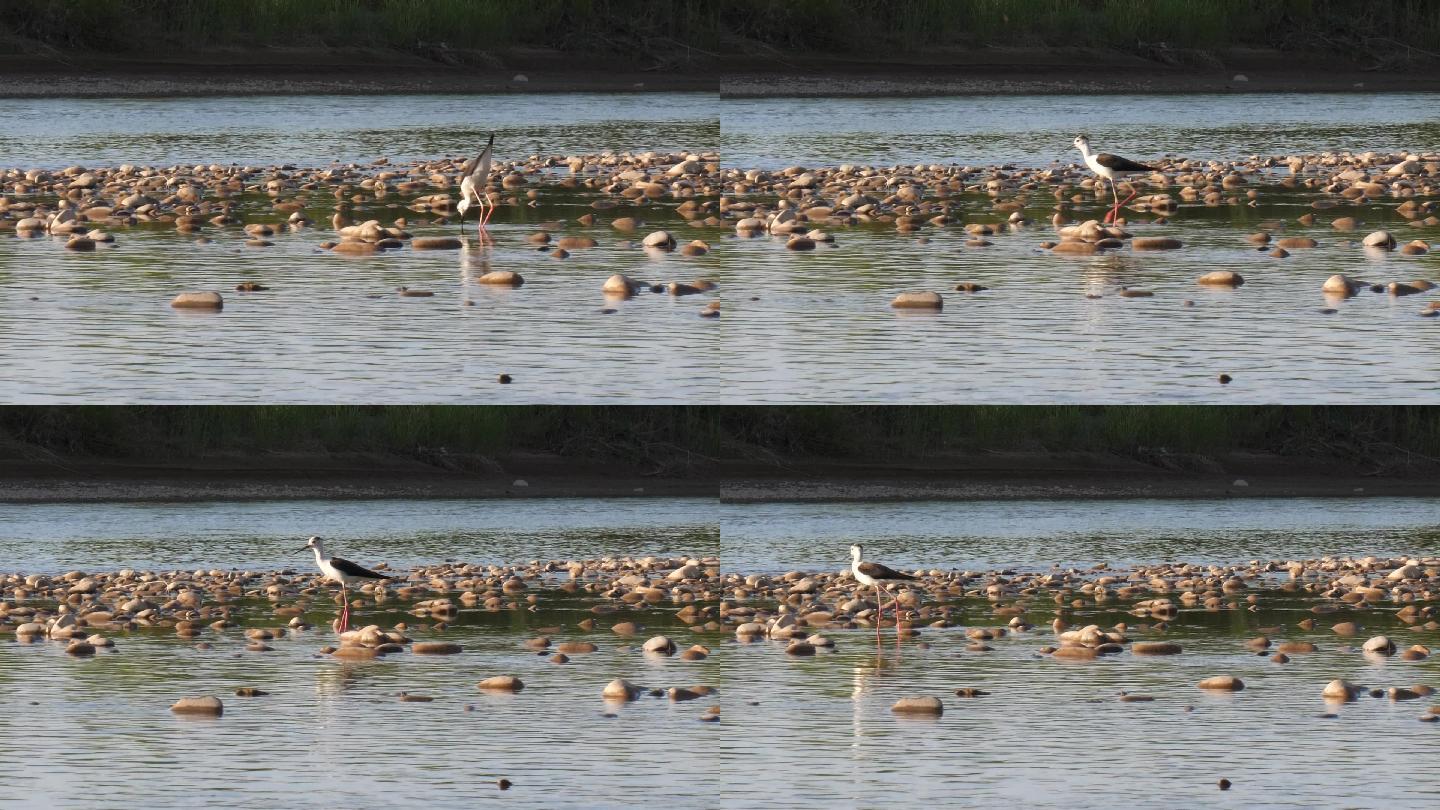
(1155, 243)
(435, 648)
(505, 278)
(1222, 683)
(621, 689)
(1221, 278)
(198, 300)
(918, 300)
(208, 705)
(926, 705)
(1341, 690)
(1379, 644)
(501, 683)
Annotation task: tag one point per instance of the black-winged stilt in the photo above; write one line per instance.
(344, 572)
(872, 574)
(1110, 167)
(473, 185)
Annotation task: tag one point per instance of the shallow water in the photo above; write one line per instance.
(1033, 535)
(318, 130)
(822, 325)
(794, 731)
(796, 326)
(269, 535)
(334, 734)
(1052, 733)
(98, 327)
(1036, 130)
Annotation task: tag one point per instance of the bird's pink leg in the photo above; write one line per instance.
(344, 611)
(1114, 212)
(879, 611)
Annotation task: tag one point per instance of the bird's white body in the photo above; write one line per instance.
(341, 570)
(874, 575)
(1112, 168)
(329, 570)
(475, 184)
(860, 576)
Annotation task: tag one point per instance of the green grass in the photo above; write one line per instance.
(734, 433)
(869, 27)
(877, 26)
(134, 25)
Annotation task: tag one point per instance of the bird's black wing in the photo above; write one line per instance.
(877, 571)
(1116, 163)
(351, 569)
(472, 164)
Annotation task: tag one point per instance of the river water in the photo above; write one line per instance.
(813, 326)
(97, 731)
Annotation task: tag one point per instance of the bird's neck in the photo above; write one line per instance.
(319, 554)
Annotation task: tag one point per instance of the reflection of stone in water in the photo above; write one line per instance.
(334, 681)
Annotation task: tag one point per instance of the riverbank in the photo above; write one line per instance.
(321, 71)
(962, 477)
(991, 71)
(979, 71)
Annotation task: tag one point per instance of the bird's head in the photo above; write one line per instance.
(1082, 143)
(463, 206)
(315, 543)
(855, 551)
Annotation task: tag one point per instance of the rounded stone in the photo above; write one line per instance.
(1340, 284)
(502, 278)
(501, 683)
(1380, 239)
(918, 300)
(1379, 644)
(620, 284)
(1222, 683)
(1155, 648)
(621, 689)
(1155, 243)
(1221, 278)
(661, 645)
(435, 648)
(208, 705)
(1340, 690)
(205, 299)
(660, 239)
(926, 705)
(436, 243)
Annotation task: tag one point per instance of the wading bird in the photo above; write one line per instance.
(872, 574)
(1111, 167)
(344, 572)
(473, 185)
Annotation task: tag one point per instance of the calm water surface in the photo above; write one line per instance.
(1034, 535)
(819, 323)
(318, 130)
(331, 733)
(269, 535)
(819, 731)
(796, 326)
(98, 327)
(1031, 130)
